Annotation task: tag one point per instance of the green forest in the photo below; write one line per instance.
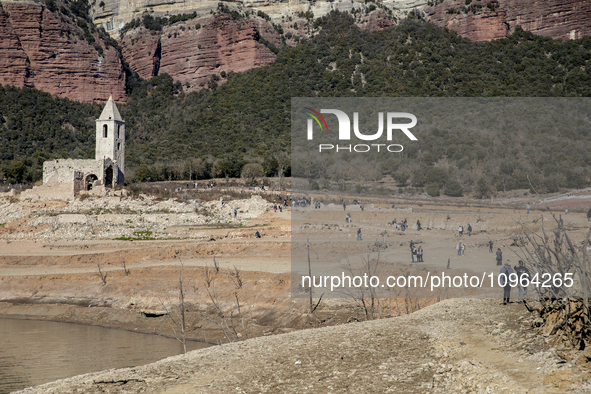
(244, 118)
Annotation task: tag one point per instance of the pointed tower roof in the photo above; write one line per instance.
(110, 112)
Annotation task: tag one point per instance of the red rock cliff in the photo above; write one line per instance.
(191, 55)
(484, 20)
(39, 49)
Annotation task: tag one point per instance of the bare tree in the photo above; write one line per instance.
(225, 314)
(251, 171)
(177, 318)
(366, 298)
(236, 277)
(309, 271)
(283, 162)
(182, 308)
(554, 257)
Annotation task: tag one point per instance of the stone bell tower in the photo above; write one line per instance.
(110, 138)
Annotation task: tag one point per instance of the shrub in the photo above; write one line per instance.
(453, 189)
(432, 189)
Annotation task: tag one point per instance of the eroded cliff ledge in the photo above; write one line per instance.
(47, 51)
(483, 20)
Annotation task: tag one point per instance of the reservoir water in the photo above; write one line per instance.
(36, 352)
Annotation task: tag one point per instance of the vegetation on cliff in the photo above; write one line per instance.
(173, 135)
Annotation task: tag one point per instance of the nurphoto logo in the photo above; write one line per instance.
(344, 130)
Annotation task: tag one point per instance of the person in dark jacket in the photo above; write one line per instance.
(506, 281)
(523, 278)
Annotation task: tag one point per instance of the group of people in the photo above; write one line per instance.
(403, 225)
(522, 277)
(416, 253)
(461, 230)
(460, 247)
(301, 202)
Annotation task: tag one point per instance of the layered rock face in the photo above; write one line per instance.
(41, 50)
(484, 20)
(48, 51)
(194, 50)
(114, 14)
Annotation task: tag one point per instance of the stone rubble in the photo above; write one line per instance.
(144, 217)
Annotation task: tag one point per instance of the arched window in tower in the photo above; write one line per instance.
(118, 131)
(119, 146)
(105, 130)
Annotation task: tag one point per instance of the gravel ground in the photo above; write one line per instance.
(121, 217)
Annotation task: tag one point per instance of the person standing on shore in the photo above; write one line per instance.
(499, 257)
(490, 246)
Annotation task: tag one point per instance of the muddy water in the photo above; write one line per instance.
(36, 352)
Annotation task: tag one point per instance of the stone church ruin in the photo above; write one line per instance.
(63, 179)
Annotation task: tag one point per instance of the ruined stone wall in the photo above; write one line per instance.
(62, 170)
(47, 192)
(78, 185)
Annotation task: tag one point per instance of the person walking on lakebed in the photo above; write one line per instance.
(506, 281)
(499, 257)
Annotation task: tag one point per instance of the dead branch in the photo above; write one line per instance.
(102, 275)
(318, 303)
(127, 272)
(236, 277)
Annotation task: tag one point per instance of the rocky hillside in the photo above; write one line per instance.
(484, 20)
(194, 50)
(113, 15)
(58, 53)
(63, 47)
